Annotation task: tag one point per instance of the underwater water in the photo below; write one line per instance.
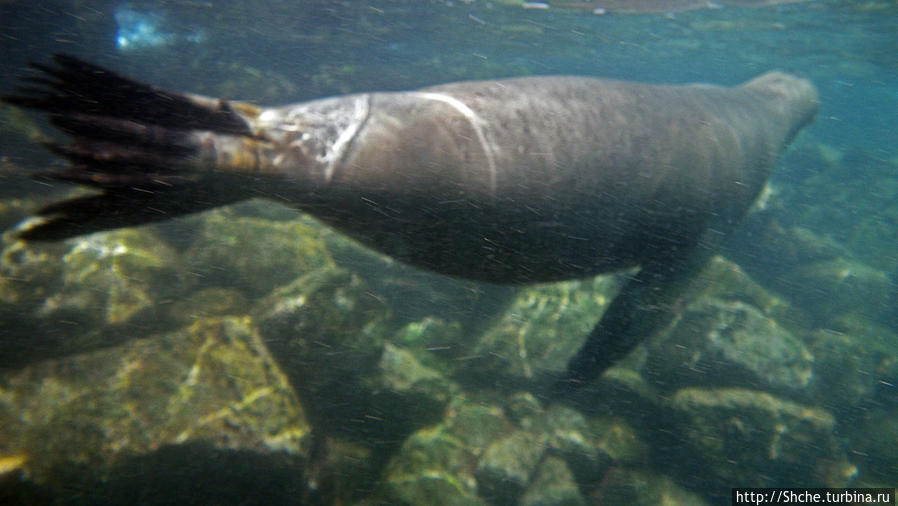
(250, 355)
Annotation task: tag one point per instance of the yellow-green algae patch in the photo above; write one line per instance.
(211, 383)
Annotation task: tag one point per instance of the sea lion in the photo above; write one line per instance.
(520, 180)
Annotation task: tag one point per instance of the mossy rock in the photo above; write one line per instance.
(643, 488)
(432, 463)
(324, 327)
(754, 438)
(211, 384)
(553, 485)
(728, 343)
(542, 328)
(116, 278)
(255, 255)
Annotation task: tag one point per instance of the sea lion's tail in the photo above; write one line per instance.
(149, 151)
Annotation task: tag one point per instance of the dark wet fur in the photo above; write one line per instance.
(75, 86)
(130, 140)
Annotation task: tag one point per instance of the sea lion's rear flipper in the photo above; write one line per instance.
(146, 149)
(642, 307)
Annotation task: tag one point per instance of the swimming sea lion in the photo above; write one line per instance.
(507, 181)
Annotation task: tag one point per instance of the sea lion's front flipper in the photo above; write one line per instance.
(154, 154)
(642, 307)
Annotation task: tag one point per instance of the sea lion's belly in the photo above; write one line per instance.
(480, 241)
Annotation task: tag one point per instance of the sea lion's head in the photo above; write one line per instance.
(794, 97)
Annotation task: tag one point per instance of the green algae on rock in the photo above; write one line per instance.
(553, 484)
(728, 343)
(853, 363)
(725, 280)
(747, 437)
(542, 328)
(323, 327)
(115, 278)
(211, 383)
(832, 288)
(271, 253)
(209, 303)
(638, 487)
(85, 294)
(433, 463)
(507, 465)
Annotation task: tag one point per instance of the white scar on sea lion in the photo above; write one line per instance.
(510, 181)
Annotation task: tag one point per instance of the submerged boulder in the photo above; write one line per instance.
(253, 254)
(508, 465)
(90, 292)
(333, 337)
(553, 485)
(323, 327)
(204, 390)
(114, 278)
(643, 488)
(854, 365)
(439, 461)
(876, 446)
(728, 343)
(542, 328)
(835, 287)
(814, 272)
(754, 438)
